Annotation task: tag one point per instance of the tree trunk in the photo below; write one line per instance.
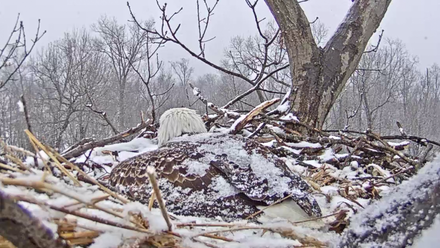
(121, 104)
(320, 74)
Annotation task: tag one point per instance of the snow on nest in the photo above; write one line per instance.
(234, 150)
(429, 236)
(262, 167)
(249, 238)
(112, 235)
(125, 151)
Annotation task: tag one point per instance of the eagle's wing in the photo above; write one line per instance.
(264, 177)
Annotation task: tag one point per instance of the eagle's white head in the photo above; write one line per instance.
(177, 121)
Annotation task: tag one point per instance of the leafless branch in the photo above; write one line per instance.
(256, 87)
(168, 33)
(18, 49)
(376, 47)
(205, 20)
(104, 116)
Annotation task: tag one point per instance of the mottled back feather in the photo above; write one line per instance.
(220, 175)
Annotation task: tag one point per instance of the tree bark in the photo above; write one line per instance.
(320, 74)
(22, 229)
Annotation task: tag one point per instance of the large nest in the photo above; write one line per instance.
(66, 195)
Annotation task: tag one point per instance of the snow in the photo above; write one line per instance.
(107, 240)
(236, 122)
(41, 155)
(195, 167)
(328, 155)
(394, 144)
(196, 91)
(334, 137)
(262, 242)
(385, 219)
(222, 187)
(313, 163)
(429, 237)
(289, 117)
(125, 151)
(277, 130)
(428, 172)
(20, 106)
(304, 144)
(283, 108)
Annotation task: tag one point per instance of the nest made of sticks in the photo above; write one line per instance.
(346, 169)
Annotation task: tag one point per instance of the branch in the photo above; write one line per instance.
(256, 87)
(169, 35)
(351, 39)
(19, 42)
(241, 123)
(104, 116)
(82, 148)
(376, 47)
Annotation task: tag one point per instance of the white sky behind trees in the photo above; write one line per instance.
(413, 22)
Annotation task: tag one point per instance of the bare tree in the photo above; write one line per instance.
(184, 74)
(319, 32)
(168, 33)
(247, 56)
(378, 89)
(125, 47)
(16, 50)
(70, 74)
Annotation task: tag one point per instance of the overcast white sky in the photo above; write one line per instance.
(413, 22)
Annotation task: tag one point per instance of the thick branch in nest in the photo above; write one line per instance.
(84, 147)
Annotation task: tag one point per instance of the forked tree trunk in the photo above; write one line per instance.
(320, 74)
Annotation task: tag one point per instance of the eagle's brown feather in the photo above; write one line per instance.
(205, 178)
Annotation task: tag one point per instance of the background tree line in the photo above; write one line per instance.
(96, 82)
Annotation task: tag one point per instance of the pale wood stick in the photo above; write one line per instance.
(151, 171)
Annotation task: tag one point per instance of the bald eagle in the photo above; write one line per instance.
(214, 175)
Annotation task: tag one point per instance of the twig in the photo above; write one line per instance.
(317, 218)
(12, 157)
(45, 186)
(376, 47)
(257, 130)
(57, 163)
(80, 214)
(91, 179)
(104, 116)
(7, 167)
(151, 171)
(387, 147)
